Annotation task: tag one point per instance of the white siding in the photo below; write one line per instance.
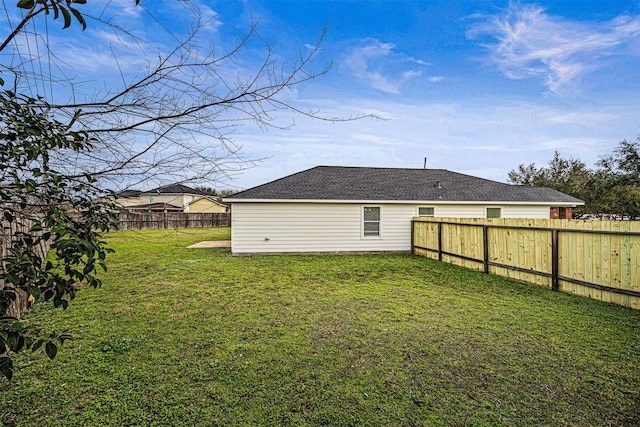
(337, 227)
(479, 211)
(520, 211)
(460, 211)
(316, 227)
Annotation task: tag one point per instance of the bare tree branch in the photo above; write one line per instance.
(177, 118)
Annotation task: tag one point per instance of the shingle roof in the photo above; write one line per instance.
(166, 189)
(178, 189)
(129, 193)
(393, 184)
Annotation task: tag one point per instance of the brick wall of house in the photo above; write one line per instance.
(561, 213)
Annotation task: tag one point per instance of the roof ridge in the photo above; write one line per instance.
(380, 167)
(396, 184)
(179, 188)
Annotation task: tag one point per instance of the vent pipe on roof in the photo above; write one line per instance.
(438, 184)
(425, 163)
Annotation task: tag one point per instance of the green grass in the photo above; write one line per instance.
(180, 336)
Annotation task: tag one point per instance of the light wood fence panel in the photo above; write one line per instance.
(594, 259)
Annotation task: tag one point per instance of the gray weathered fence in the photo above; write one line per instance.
(9, 230)
(127, 221)
(170, 220)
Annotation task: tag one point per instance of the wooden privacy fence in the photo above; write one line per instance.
(161, 220)
(9, 230)
(595, 259)
(127, 221)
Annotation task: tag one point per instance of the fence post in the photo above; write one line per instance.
(413, 226)
(554, 260)
(439, 241)
(485, 249)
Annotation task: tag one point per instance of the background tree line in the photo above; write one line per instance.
(611, 188)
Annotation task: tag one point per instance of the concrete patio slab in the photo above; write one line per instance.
(211, 244)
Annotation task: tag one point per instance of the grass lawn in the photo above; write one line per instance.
(180, 336)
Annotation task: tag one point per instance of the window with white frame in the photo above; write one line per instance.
(494, 212)
(371, 221)
(426, 211)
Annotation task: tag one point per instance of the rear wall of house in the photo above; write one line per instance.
(337, 227)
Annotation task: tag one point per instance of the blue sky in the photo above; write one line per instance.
(477, 87)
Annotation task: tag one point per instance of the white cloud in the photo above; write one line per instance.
(126, 7)
(210, 18)
(528, 42)
(371, 64)
(486, 140)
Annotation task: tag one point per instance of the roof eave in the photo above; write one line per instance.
(405, 202)
(212, 200)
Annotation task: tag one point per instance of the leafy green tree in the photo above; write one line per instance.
(566, 175)
(612, 188)
(527, 175)
(570, 176)
(42, 207)
(619, 180)
(624, 163)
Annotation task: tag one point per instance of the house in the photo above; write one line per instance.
(206, 204)
(170, 198)
(356, 209)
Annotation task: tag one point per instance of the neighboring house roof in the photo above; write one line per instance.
(393, 184)
(129, 193)
(154, 207)
(166, 189)
(211, 199)
(177, 189)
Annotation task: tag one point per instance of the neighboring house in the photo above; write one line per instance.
(355, 209)
(153, 207)
(170, 198)
(206, 204)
